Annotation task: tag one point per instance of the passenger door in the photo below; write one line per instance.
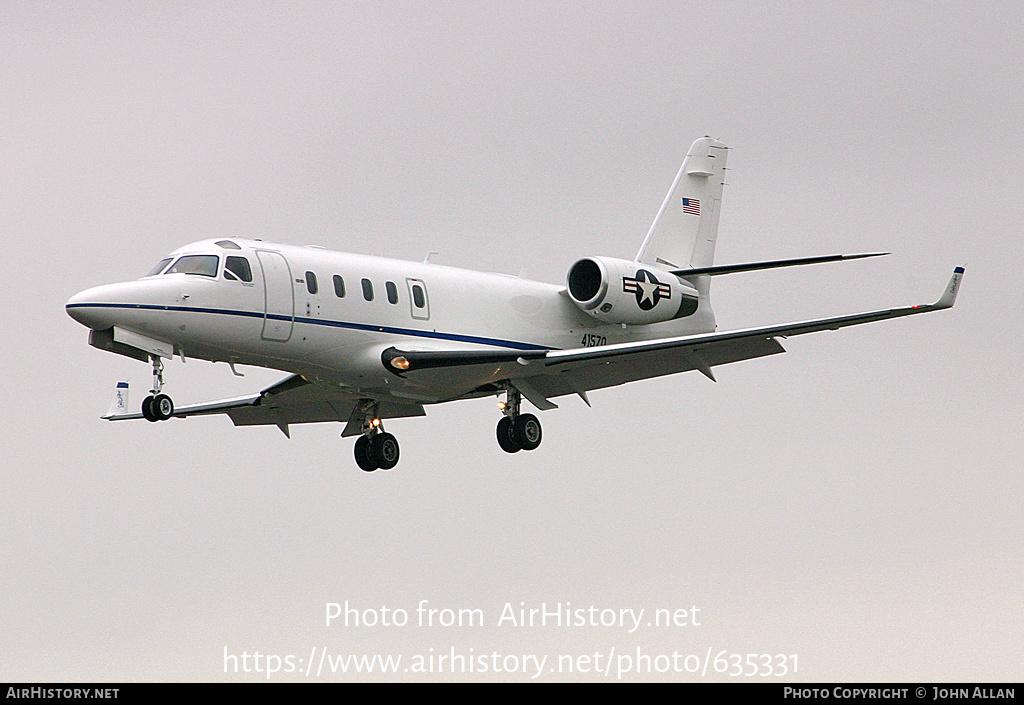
(279, 296)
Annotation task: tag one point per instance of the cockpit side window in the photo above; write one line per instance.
(159, 267)
(205, 265)
(238, 268)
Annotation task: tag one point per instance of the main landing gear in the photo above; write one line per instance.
(376, 449)
(157, 406)
(517, 431)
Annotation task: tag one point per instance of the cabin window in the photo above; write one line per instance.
(311, 285)
(238, 268)
(205, 265)
(392, 292)
(367, 290)
(339, 286)
(419, 305)
(159, 267)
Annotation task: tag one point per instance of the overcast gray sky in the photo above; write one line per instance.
(856, 502)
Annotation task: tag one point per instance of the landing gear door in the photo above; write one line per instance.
(279, 296)
(418, 301)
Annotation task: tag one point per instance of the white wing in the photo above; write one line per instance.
(549, 373)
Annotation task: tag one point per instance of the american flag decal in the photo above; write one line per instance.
(691, 206)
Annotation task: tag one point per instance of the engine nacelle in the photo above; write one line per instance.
(619, 291)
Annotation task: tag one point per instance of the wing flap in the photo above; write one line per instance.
(602, 372)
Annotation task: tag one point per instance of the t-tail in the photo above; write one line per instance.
(683, 233)
(682, 237)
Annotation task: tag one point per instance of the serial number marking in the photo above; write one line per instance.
(592, 341)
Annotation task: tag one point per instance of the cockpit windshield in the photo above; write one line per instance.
(159, 267)
(205, 265)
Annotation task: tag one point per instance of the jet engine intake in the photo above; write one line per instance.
(619, 291)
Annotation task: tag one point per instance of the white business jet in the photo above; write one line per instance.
(367, 339)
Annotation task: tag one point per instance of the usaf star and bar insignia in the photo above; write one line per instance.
(648, 290)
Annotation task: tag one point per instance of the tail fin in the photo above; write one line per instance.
(684, 231)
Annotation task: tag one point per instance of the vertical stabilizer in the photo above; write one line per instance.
(684, 231)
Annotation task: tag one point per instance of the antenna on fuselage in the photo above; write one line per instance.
(429, 255)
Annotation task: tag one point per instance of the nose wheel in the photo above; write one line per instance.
(517, 431)
(157, 406)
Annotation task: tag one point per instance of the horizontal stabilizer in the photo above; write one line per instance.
(771, 264)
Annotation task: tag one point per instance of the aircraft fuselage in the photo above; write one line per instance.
(334, 325)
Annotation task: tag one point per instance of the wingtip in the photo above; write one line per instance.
(948, 297)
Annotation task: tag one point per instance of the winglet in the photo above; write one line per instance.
(119, 404)
(948, 297)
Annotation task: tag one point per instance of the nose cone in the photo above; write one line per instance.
(92, 307)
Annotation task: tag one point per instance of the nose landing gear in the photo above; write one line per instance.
(517, 431)
(157, 406)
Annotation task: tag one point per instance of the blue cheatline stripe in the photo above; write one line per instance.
(497, 342)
